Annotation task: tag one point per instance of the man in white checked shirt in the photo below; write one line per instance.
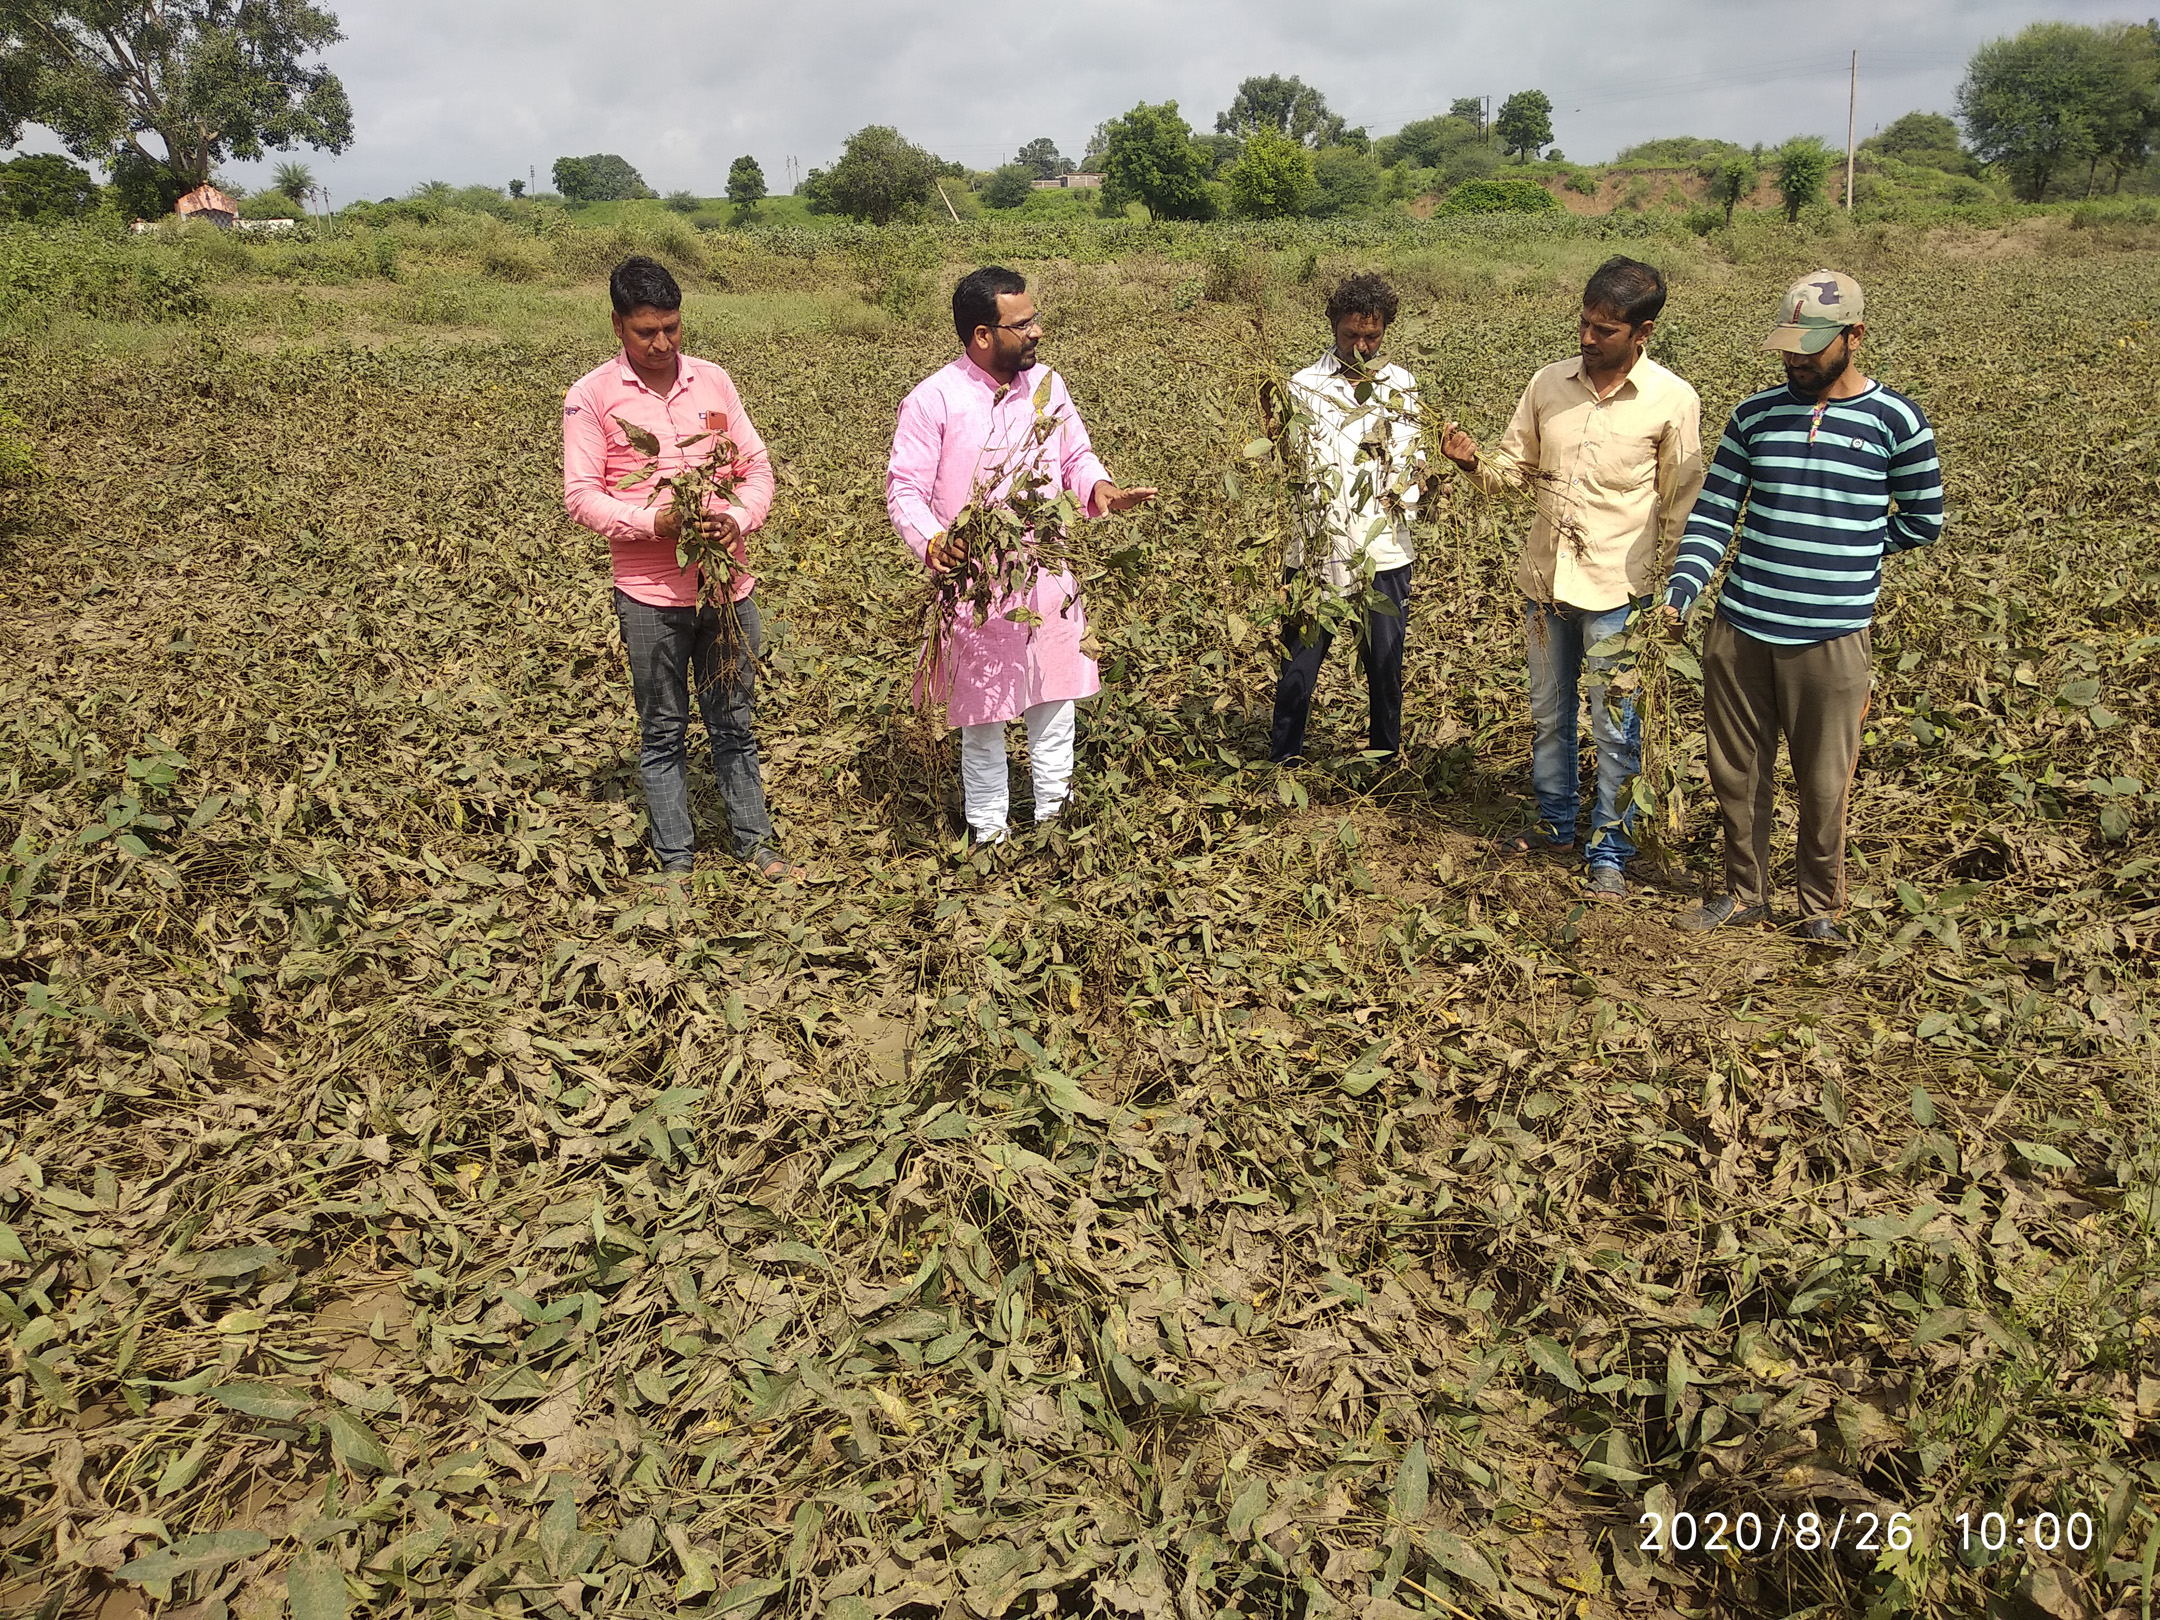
(1364, 472)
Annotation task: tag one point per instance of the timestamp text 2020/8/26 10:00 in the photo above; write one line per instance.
(1748, 1532)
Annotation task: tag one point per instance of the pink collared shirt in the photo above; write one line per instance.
(955, 428)
(597, 456)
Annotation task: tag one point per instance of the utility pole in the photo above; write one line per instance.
(1852, 102)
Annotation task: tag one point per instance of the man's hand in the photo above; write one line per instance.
(1107, 497)
(667, 525)
(1459, 447)
(719, 528)
(1668, 621)
(945, 552)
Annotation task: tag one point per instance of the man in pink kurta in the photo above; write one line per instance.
(673, 640)
(963, 434)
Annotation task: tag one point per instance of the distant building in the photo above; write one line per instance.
(268, 224)
(1069, 182)
(207, 202)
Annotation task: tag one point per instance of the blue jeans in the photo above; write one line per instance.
(665, 645)
(1558, 639)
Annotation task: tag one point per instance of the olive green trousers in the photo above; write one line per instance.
(1815, 698)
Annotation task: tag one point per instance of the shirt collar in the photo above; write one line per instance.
(1634, 378)
(629, 374)
(1020, 384)
(1336, 367)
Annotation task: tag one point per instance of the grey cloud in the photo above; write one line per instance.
(482, 90)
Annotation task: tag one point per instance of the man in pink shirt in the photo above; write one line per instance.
(966, 424)
(668, 635)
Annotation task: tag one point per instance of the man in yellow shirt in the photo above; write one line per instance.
(1610, 445)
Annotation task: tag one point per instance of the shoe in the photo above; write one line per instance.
(1823, 932)
(1606, 883)
(1721, 911)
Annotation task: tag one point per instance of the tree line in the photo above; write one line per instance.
(160, 95)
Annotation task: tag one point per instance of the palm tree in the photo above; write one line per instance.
(296, 180)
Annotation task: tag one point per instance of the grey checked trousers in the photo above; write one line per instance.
(665, 645)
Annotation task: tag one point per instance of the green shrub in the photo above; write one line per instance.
(1502, 196)
(19, 461)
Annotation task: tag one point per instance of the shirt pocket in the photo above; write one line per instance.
(1624, 463)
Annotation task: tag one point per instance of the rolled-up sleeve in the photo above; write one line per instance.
(586, 496)
(911, 473)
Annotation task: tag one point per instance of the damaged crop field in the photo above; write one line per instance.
(1250, 1198)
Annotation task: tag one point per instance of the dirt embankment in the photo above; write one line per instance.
(1637, 190)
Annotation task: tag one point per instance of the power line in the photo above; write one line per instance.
(1801, 69)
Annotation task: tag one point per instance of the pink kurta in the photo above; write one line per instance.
(954, 428)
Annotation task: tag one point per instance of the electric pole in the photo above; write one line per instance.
(1852, 102)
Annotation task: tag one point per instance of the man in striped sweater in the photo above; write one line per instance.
(1831, 470)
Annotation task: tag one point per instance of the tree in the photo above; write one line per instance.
(1451, 145)
(295, 179)
(881, 176)
(1924, 139)
(144, 188)
(46, 186)
(517, 188)
(1148, 158)
(2059, 96)
(1287, 106)
(177, 85)
(683, 202)
(599, 177)
(1040, 157)
(1274, 177)
(1525, 123)
(1345, 181)
(1737, 177)
(745, 184)
(1470, 109)
(1010, 186)
(1801, 164)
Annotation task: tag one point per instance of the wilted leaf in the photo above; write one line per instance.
(1554, 1361)
(1411, 1483)
(315, 1588)
(212, 1549)
(354, 1444)
(261, 1400)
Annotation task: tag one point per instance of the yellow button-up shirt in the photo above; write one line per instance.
(1614, 480)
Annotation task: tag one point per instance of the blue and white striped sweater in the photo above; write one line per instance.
(1827, 490)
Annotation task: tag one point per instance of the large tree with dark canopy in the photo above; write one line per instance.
(881, 176)
(162, 91)
(2057, 102)
(1288, 106)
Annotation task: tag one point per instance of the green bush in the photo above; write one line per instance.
(1503, 196)
(19, 462)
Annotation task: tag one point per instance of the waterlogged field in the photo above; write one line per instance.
(1251, 1197)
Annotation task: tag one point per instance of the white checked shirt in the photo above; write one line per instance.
(1364, 464)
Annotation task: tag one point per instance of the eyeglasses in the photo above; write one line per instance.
(1034, 323)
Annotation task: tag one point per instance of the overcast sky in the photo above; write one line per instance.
(481, 90)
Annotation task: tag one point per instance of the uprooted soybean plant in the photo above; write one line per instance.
(1248, 1196)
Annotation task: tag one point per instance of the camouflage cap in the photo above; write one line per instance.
(1815, 309)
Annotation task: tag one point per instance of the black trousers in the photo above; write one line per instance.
(1382, 657)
